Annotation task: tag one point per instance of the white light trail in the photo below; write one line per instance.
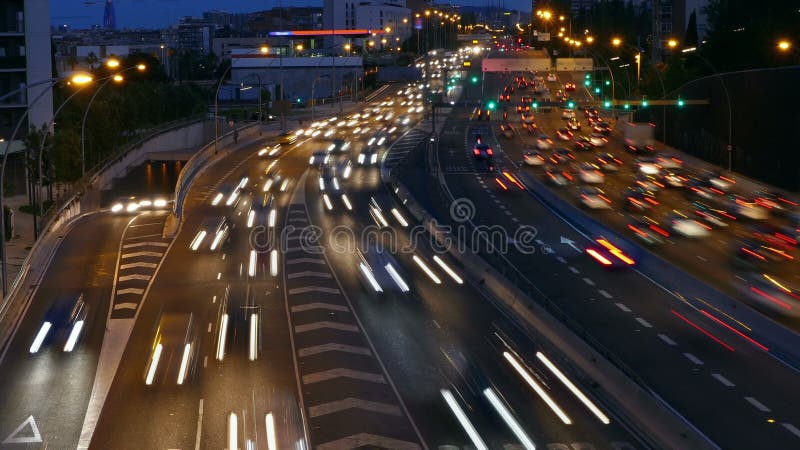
(399, 217)
(273, 263)
(426, 269)
(327, 201)
(39, 339)
(476, 439)
(401, 283)
(222, 337)
(347, 203)
(253, 336)
(233, 432)
(187, 350)
(537, 388)
(74, 334)
(370, 277)
(574, 389)
(272, 441)
(447, 269)
(151, 371)
(251, 267)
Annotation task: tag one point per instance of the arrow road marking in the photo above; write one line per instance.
(14, 437)
(571, 243)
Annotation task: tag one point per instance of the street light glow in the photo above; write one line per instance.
(589, 39)
(141, 67)
(784, 45)
(82, 78)
(118, 78)
(672, 43)
(264, 49)
(616, 42)
(112, 63)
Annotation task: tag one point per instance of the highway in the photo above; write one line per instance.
(299, 306)
(693, 363)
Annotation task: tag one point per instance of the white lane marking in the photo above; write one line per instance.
(726, 382)
(146, 236)
(623, 307)
(319, 305)
(760, 406)
(340, 372)
(666, 339)
(325, 324)
(199, 426)
(792, 429)
(702, 258)
(644, 323)
(508, 213)
(126, 305)
(138, 265)
(589, 281)
(693, 359)
(130, 291)
(574, 270)
(138, 254)
(209, 328)
(515, 219)
(304, 289)
(604, 293)
(146, 244)
(333, 347)
(205, 362)
(350, 403)
(135, 276)
(308, 273)
(561, 259)
(305, 260)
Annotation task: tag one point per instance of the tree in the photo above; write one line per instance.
(690, 39)
(92, 60)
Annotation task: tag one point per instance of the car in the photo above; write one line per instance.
(776, 202)
(649, 183)
(569, 86)
(744, 208)
(682, 225)
(64, 323)
(562, 156)
(229, 194)
(172, 355)
(608, 162)
(379, 271)
(597, 140)
(710, 216)
(214, 230)
(594, 198)
(274, 179)
(368, 156)
(637, 199)
(270, 151)
(648, 231)
(339, 145)
(669, 161)
(673, 178)
(647, 166)
(551, 77)
(719, 181)
(527, 119)
(287, 138)
(506, 180)
(582, 143)
(590, 173)
(558, 176)
(609, 255)
(567, 114)
(543, 142)
(507, 130)
(533, 158)
(482, 151)
(573, 124)
(523, 108)
(124, 205)
(602, 128)
(262, 211)
(319, 158)
(564, 134)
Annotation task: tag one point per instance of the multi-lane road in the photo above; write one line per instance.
(326, 320)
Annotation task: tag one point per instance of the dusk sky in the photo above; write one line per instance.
(160, 13)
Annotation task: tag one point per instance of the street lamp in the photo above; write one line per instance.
(616, 42)
(784, 45)
(112, 63)
(672, 43)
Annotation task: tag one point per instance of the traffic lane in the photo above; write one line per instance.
(449, 349)
(693, 255)
(53, 386)
(187, 282)
(594, 298)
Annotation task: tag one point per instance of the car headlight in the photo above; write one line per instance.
(132, 207)
(117, 207)
(160, 203)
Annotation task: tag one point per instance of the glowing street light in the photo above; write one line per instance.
(141, 67)
(112, 63)
(118, 78)
(589, 39)
(81, 78)
(672, 43)
(616, 42)
(264, 49)
(784, 45)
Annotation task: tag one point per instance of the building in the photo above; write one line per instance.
(390, 16)
(671, 19)
(284, 18)
(233, 22)
(298, 75)
(24, 60)
(194, 35)
(109, 17)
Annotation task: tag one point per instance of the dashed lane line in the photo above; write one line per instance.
(589, 281)
(693, 359)
(623, 307)
(667, 339)
(725, 382)
(644, 323)
(792, 429)
(573, 270)
(759, 406)
(604, 293)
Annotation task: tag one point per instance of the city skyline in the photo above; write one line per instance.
(162, 13)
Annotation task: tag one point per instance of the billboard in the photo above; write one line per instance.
(543, 36)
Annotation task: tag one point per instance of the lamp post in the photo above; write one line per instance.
(78, 79)
(693, 51)
(254, 74)
(313, 100)
(264, 50)
(116, 78)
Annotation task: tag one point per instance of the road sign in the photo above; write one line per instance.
(543, 36)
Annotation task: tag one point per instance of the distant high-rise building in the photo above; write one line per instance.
(109, 18)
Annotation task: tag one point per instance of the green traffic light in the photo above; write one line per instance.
(607, 104)
(588, 75)
(597, 90)
(474, 80)
(491, 105)
(626, 106)
(587, 83)
(608, 83)
(681, 102)
(644, 103)
(570, 104)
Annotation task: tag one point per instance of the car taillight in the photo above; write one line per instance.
(489, 152)
(475, 151)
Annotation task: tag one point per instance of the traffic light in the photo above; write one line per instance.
(626, 106)
(588, 76)
(535, 105)
(606, 104)
(608, 83)
(681, 102)
(474, 79)
(597, 90)
(491, 106)
(587, 83)
(644, 103)
(570, 104)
